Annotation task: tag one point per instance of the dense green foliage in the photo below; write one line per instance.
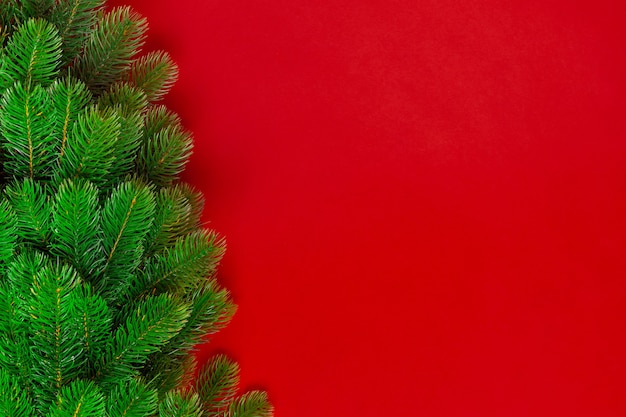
(107, 276)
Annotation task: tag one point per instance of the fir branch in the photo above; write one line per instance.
(74, 19)
(217, 384)
(154, 321)
(126, 148)
(79, 399)
(129, 102)
(164, 156)
(70, 97)
(126, 98)
(32, 206)
(184, 265)
(23, 271)
(158, 118)
(15, 319)
(180, 404)
(89, 150)
(155, 73)
(250, 404)
(108, 53)
(77, 235)
(211, 310)
(56, 347)
(171, 219)
(165, 148)
(196, 202)
(126, 218)
(168, 375)
(132, 398)
(95, 324)
(33, 53)
(25, 127)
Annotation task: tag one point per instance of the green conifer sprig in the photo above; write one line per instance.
(33, 53)
(74, 19)
(107, 276)
(181, 404)
(217, 384)
(155, 73)
(110, 48)
(133, 397)
(29, 200)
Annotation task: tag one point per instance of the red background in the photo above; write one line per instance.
(424, 201)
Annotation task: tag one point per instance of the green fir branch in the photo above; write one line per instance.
(171, 220)
(74, 19)
(33, 53)
(217, 384)
(132, 398)
(250, 404)
(89, 150)
(169, 375)
(56, 347)
(184, 265)
(76, 227)
(180, 404)
(70, 97)
(94, 325)
(151, 324)
(79, 399)
(26, 135)
(155, 73)
(196, 202)
(108, 53)
(126, 218)
(157, 118)
(211, 309)
(126, 98)
(164, 156)
(33, 209)
(22, 272)
(130, 103)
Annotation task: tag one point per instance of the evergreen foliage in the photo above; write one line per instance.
(107, 276)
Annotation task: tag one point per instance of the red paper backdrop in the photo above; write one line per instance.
(424, 201)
